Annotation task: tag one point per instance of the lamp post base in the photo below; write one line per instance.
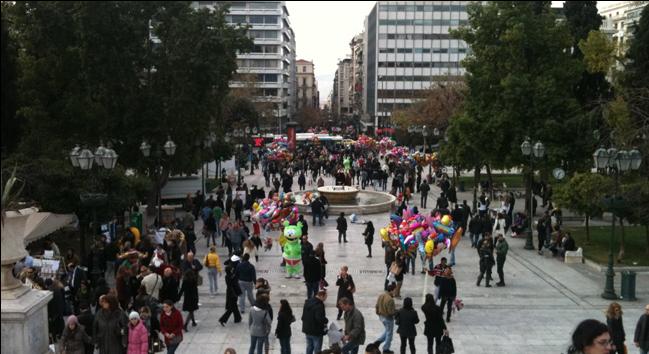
(609, 295)
(529, 244)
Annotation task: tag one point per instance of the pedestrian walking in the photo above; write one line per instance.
(369, 237)
(109, 326)
(424, 188)
(434, 325)
(314, 322)
(502, 247)
(407, 319)
(213, 265)
(74, 337)
(312, 274)
(233, 291)
(259, 323)
(171, 326)
(189, 289)
(485, 251)
(447, 292)
(641, 335)
(341, 226)
(247, 276)
(138, 335)
(615, 327)
(346, 287)
(283, 330)
(386, 310)
(354, 334)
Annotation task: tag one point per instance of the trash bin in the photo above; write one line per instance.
(461, 186)
(628, 286)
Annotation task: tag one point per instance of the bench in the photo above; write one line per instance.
(574, 256)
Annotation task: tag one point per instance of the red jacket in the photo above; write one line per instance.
(171, 324)
(138, 339)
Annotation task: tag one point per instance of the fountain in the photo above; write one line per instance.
(348, 199)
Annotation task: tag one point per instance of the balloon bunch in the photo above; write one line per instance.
(424, 159)
(365, 142)
(386, 144)
(270, 213)
(424, 234)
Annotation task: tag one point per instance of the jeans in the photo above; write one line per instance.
(448, 302)
(246, 290)
(452, 262)
(475, 238)
(350, 348)
(171, 348)
(319, 216)
(312, 289)
(256, 342)
(285, 344)
(388, 324)
(211, 235)
(424, 199)
(212, 276)
(313, 344)
(410, 263)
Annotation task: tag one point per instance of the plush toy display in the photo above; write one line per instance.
(292, 249)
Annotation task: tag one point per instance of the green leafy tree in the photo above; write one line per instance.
(10, 125)
(583, 193)
(636, 196)
(124, 72)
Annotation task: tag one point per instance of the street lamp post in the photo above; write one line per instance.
(169, 149)
(538, 151)
(614, 162)
(84, 159)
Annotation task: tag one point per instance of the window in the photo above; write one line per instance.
(404, 50)
(262, 5)
(235, 19)
(386, 50)
(304, 69)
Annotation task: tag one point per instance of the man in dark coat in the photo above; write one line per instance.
(485, 251)
(424, 188)
(314, 322)
(341, 226)
(170, 285)
(312, 274)
(641, 336)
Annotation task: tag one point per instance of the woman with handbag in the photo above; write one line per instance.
(320, 254)
(259, 323)
(171, 326)
(346, 288)
(434, 325)
(283, 330)
(189, 288)
(615, 327)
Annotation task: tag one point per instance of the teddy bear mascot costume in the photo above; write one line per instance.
(293, 249)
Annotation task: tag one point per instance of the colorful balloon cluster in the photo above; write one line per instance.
(270, 213)
(425, 159)
(386, 144)
(424, 234)
(365, 142)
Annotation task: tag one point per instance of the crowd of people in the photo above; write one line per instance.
(125, 296)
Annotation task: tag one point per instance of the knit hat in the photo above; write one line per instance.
(134, 315)
(235, 258)
(72, 320)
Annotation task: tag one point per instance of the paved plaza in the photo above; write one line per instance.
(535, 313)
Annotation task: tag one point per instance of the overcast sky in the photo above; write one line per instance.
(323, 30)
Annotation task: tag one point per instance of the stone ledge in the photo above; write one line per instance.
(602, 268)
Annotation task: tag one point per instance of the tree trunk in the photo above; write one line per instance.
(476, 182)
(491, 182)
(620, 255)
(587, 229)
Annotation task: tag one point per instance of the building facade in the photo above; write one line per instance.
(356, 46)
(620, 19)
(271, 65)
(307, 86)
(407, 48)
(343, 90)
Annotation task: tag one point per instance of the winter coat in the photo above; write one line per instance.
(233, 290)
(341, 224)
(190, 290)
(110, 331)
(138, 339)
(169, 290)
(312, 269)
(641, 334)
(406, 319)
(259, 322)
(283, 329)
(172, 323)
(344, 286)
(434, 324)
(447, 288)
(616, 329)
(72, 341)
(355, 326)
(314, 319)
(369, 235)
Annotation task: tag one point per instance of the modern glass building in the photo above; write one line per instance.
(407, 49)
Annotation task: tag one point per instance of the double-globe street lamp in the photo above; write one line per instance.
(84, 159)
(169, 149)
(533, 151)
(241, 135)
(614, 162)
(424, 133)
